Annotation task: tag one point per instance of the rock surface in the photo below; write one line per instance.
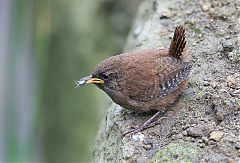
(210, 103)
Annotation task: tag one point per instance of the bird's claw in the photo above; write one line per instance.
(133, 130)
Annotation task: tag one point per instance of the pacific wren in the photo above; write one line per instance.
(145, 80)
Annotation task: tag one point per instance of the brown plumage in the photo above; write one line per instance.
(145, 80)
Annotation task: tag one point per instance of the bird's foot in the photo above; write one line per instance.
(149, 123)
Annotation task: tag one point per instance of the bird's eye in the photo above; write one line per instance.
(105, 76)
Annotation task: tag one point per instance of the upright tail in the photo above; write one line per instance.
(178, 48)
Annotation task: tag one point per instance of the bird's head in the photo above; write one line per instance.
(105, 76)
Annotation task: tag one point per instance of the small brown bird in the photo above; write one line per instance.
(145, 80)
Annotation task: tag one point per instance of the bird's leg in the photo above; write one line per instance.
(149, 123)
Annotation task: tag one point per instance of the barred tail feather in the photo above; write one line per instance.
(178, 45)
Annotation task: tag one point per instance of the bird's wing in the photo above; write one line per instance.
(165, 76)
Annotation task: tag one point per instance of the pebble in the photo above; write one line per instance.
(206, 83)
(179, 136)
(205, 140)
(192, 125)
(187, 138)
(201, 145)
(166, 14)
(231, 82)
(195, 132)
(206, 7)
(214, 85)
(237, 145)
(147, 146)
(205, 78)
(227, 46)
(188, 11)
(184, 133)
(216, 135)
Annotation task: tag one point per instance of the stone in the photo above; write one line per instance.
(216, 135)
(195, 131)
(166, 14)
(147, 146)
(206, 7)
(206, 83)
(184, 133)
(227, 46)
(237, 145)
(231, 82)
(214, 85)
(179, 136)
(205, 140)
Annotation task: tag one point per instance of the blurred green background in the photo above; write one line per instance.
(44, 46)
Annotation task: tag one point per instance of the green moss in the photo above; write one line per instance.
(238, 57)
(197, 30)
(238, 102)
(225, 102)
(175, 152)
(202, 93)
(193, 83)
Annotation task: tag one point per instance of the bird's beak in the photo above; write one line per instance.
(88, 80)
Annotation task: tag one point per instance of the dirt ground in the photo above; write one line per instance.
(204, 124)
